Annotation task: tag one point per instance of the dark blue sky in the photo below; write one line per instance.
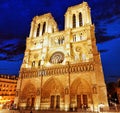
(16, 17)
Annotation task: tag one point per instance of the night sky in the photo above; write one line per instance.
(16, 17)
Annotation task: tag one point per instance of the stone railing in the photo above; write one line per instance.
(57, 70)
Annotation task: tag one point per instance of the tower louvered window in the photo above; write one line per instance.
(80, 19)
(38, 30)
(74, 21)
(44, 27)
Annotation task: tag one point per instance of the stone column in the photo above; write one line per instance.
(32, 29)
(41, 28)
(88, 16)
(95, 102)
(67, 20)
(84, 16)
(46, 27)
(37, 102)
(17, 96)
(67, 99)
(67, 91)
(70, 23)
(77, 19)
(35, 30)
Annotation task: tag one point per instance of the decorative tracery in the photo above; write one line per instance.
(57, 58)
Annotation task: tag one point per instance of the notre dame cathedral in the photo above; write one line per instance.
(62, 69)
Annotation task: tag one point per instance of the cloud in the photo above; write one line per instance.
(102, 9)
(16, 15)
(108, 30)
(102, 38)
(112, 19)
(110, 59)
(10, 51)
(105, 16)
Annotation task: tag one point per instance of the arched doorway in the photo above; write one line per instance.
(52, 94)
(27, 97)
(80, 93)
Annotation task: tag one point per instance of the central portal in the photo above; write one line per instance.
(55, 102)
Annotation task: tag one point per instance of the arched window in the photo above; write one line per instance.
(44, 27)
(52, 30)
(33, 64)
(38, 30)
(62, 40)
(80, 19)
(74, 21)
(80, 37)
(59, 41)
(74, 38)
(39, 63)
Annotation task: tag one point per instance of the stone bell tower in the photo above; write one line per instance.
(62, 69)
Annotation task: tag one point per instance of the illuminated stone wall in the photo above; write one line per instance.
(62, 69)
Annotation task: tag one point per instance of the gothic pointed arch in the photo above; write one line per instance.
(81, 91)
(28, 95)
(52, 86)
(79, 86)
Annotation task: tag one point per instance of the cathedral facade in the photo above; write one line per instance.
(62, 69)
